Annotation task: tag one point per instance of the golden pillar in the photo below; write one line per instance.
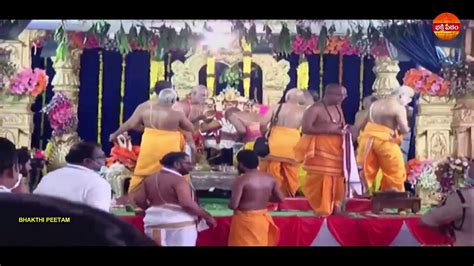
(66, 81)
(463, 127)
(16, 118)
(386, 71)
(433, 128)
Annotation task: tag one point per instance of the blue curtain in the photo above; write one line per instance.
(419, 45)
(88, 98)
(111, 95)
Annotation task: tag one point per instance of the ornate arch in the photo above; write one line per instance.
(274, 81)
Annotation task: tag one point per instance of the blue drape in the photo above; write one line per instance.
(111, 95)
(137, 86)
(351, 80)
(419, 46)
(88, 98)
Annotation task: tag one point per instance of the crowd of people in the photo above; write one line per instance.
(304, 137)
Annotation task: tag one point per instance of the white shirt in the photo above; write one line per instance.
(79, 184)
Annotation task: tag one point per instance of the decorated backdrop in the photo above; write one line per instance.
(112, 85)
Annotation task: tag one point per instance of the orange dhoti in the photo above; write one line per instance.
(322, 157)
(379, 150)
(155, 144)
(281, 162)
(253, 228)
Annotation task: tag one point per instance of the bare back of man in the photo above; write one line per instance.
(161, 188)
(388, 112)
(290, 116)
(153, 115)
(254, 190)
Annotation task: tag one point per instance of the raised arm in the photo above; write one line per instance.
(134, 122)
(238, 123)
(185, 124)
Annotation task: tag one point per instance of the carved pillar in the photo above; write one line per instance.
(386, 71)
(463, 126)
(16, 118)
(65, 81)
(275, 77)
(433, 130)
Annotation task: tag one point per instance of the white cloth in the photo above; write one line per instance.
(4, 190)
(352, 177)
(164, 220)
(79, 184)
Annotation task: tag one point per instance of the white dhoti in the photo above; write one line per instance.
(170, 225)
(351, 173)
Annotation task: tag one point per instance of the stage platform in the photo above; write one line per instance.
(303, 228)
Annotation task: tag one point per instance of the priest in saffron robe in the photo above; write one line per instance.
(321, 151)
(284, 135)
(379, 142)
(162, 134)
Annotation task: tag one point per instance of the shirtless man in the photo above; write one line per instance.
(360, 118)
(251, 193)
(321, 150)
(284, 135)
(379, 142)
(194, 108)
(172, 211)
(161, 135)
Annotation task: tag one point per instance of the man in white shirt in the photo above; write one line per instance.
(79, 180)
(9, 167)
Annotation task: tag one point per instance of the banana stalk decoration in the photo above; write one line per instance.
(210, 73)
(302, 73)
(247, 66)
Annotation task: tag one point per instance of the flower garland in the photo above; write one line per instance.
(157, 73)
(61, 115)
(361, 83)
(122, 87)
(29, 82)
(99, 97)
(246, 66)
(302, 73)
(321, 73)
(43, 104)
(426, 82)
(341, 68)
(210, 72)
